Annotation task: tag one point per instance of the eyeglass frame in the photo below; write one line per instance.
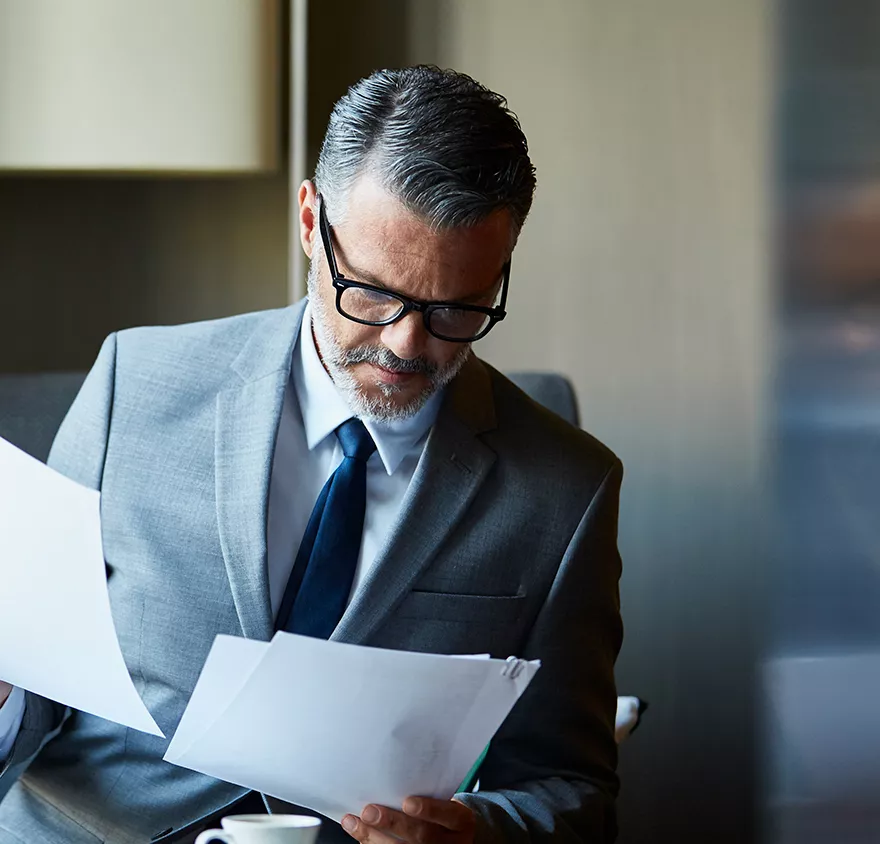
(341, 284)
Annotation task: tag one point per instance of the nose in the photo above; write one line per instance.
(407, 337)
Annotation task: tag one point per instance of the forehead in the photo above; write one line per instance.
(383, 238)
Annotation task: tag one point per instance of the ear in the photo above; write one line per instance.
(308, 216)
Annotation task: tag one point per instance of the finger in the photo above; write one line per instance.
(365, 833)
(402, 826)
(450, 814)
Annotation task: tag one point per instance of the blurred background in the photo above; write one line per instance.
(702, 261)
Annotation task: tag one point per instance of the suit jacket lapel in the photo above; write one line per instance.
(248, 414)
(453, 466)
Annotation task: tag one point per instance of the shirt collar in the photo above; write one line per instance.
(324, 409)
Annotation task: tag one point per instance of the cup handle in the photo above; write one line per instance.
(210, 835)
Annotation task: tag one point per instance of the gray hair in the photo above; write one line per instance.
(443, 144)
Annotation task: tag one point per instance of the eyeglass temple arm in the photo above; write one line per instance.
(504, 285)
(324, 227)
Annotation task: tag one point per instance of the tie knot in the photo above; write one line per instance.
(355, 440)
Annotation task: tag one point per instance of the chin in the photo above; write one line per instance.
(394, 395)
(389, 405)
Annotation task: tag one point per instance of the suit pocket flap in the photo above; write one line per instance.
(452, 606)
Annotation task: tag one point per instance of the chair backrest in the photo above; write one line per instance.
(552, 390)
(33, 406)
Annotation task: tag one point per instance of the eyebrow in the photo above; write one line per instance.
(368, 278)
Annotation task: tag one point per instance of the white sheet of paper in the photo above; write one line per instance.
(332, 726)
(230, 662)
(57, 637)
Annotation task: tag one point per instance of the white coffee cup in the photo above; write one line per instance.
(264, 829)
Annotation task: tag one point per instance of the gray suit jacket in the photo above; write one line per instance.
(506, 544)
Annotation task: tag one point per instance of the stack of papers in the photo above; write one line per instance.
(324, 725)
(332, 727)
(57, 637)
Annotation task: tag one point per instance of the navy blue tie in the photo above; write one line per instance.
(323, 573)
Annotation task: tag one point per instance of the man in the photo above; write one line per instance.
(347, 468)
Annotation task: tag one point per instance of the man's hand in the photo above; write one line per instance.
(422, 821)
(5, 690)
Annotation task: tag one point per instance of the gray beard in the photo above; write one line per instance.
(338, 361)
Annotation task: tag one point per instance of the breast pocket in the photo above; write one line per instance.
(451, 623)
(490, 610)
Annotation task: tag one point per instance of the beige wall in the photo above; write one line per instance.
(84, 255)
(643, 275)
(124, 85)
(81, 257)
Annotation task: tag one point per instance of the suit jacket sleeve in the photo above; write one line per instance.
(78, 452)
(550, 771)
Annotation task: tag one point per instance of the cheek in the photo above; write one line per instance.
(352, 335)
(344, 332)
(442, 353)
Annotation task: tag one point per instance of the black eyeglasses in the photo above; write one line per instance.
(371, 305)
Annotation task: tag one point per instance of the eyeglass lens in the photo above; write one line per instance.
(377, 307)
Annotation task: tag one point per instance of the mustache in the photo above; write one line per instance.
(381, 356)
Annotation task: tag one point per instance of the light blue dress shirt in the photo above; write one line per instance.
(306, 455)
